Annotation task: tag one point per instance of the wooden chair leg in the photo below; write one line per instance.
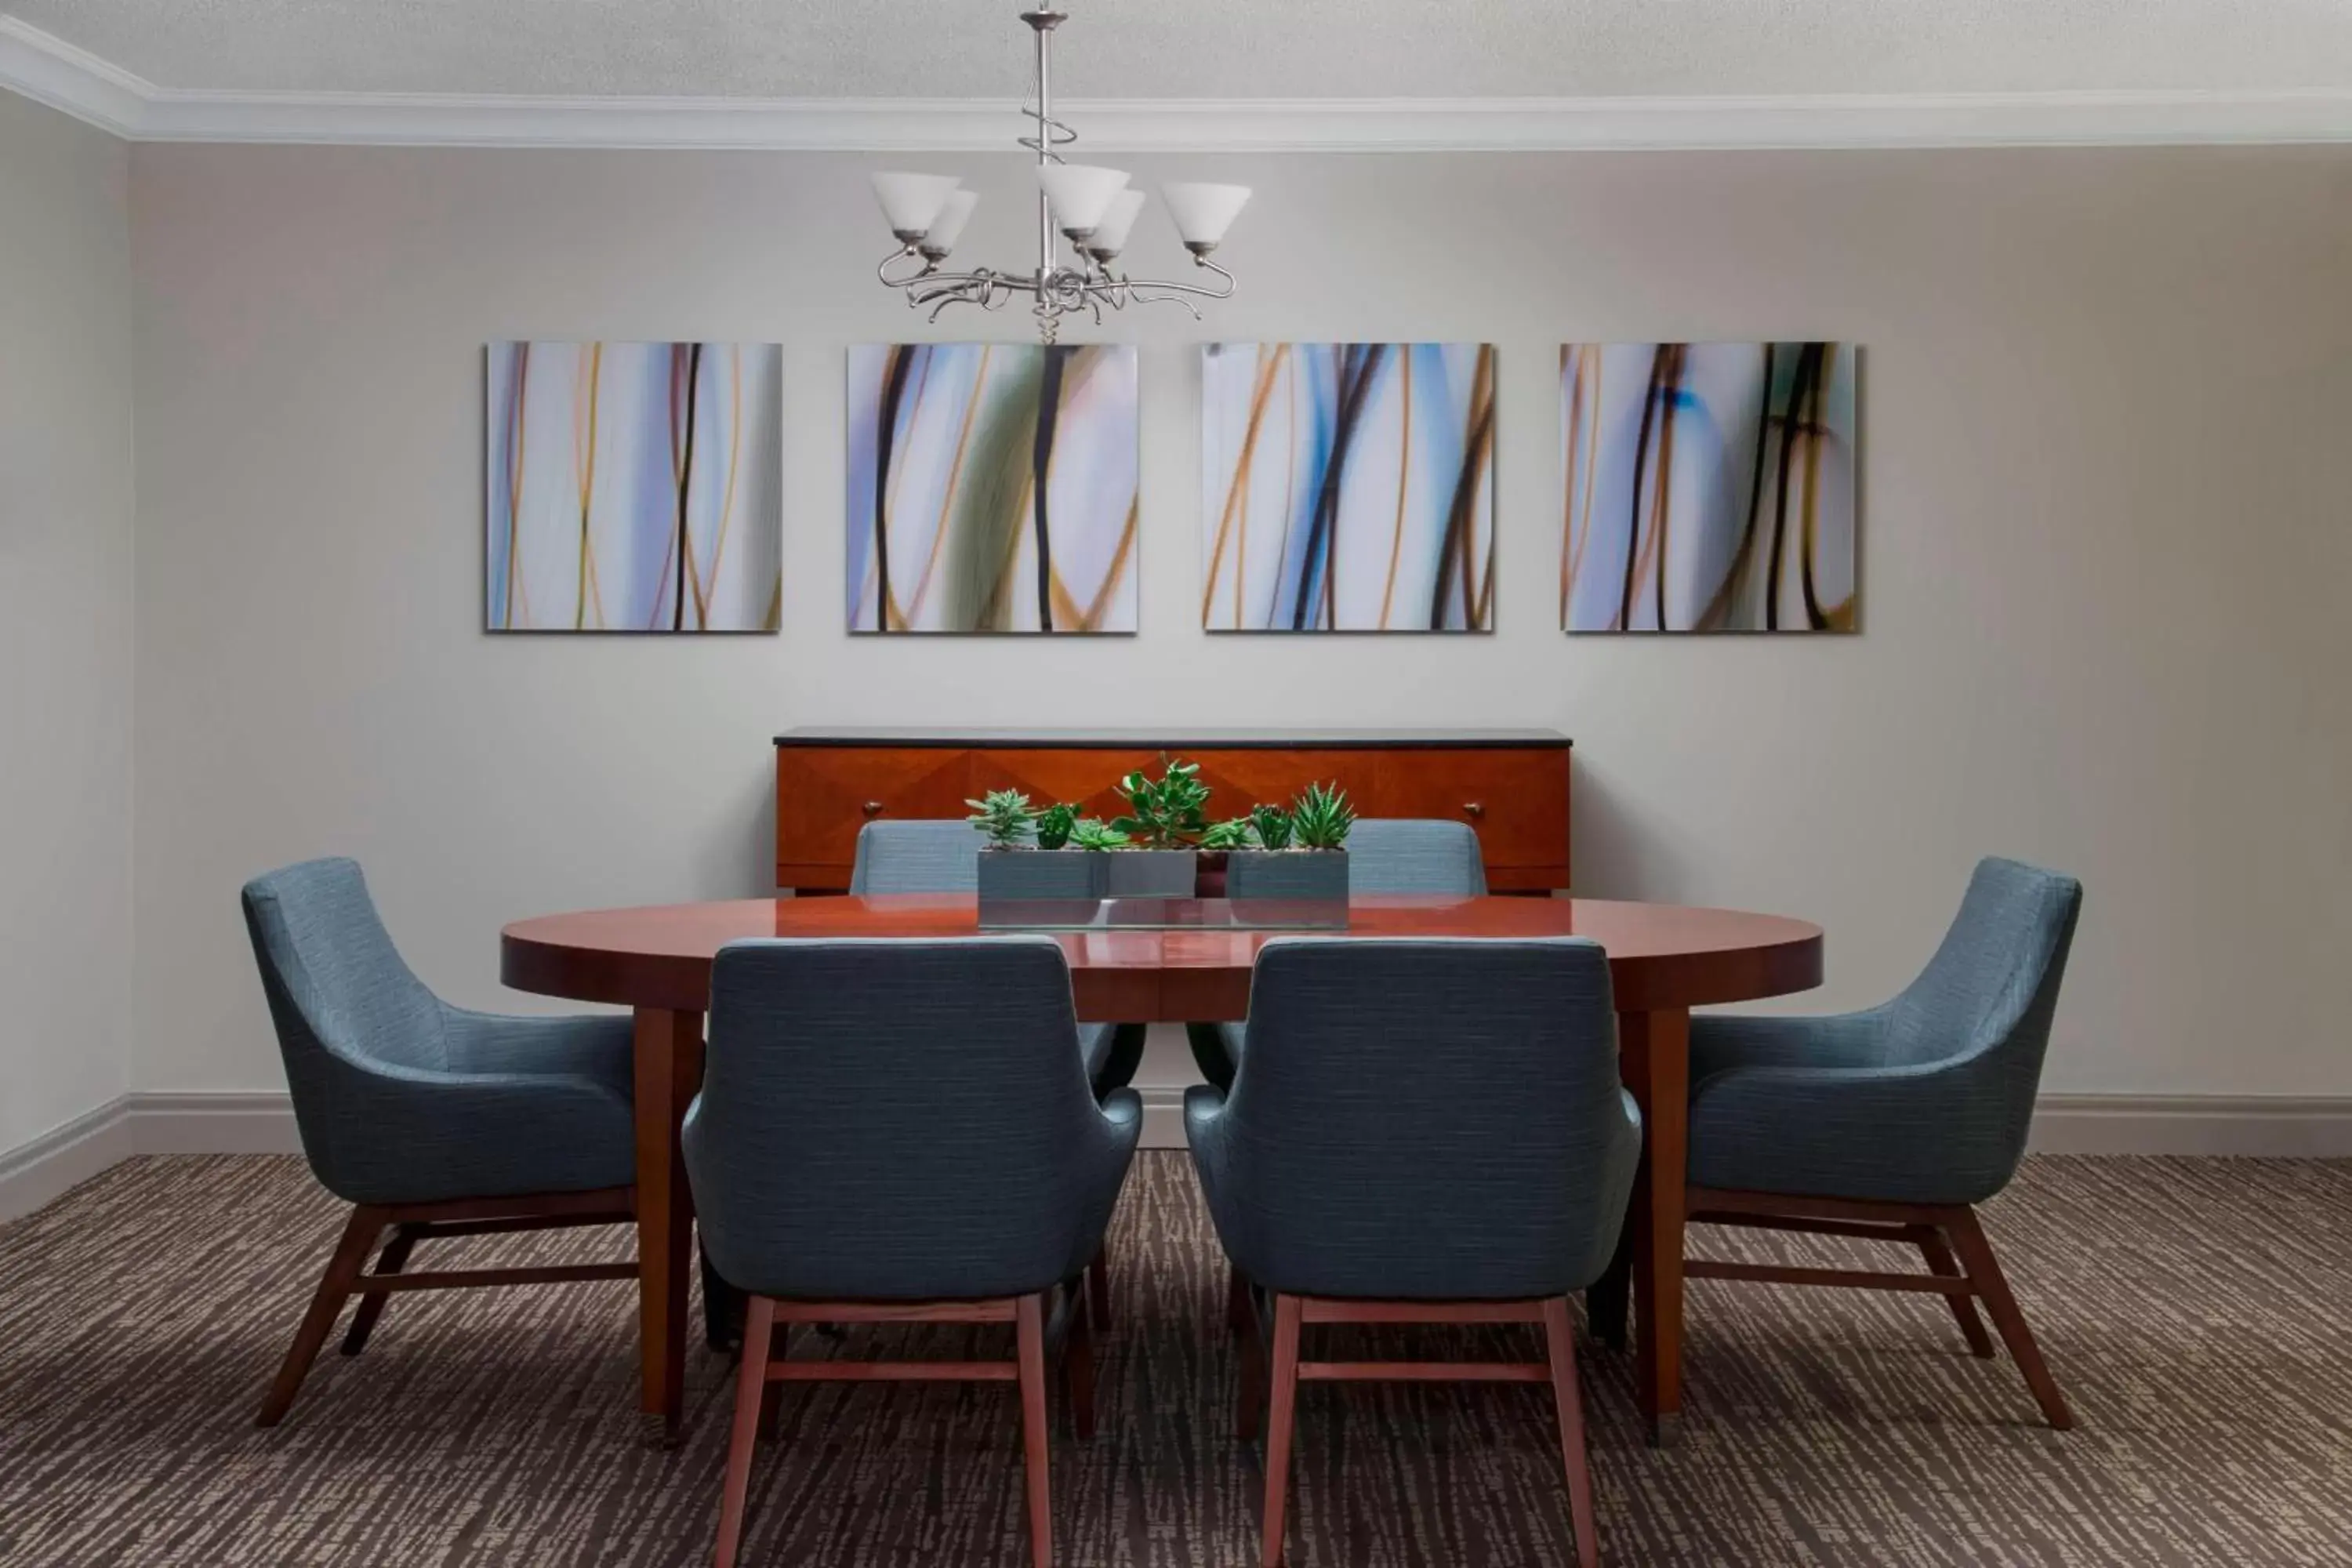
(1079, 1367)
(751, 1394)
(342, 1271)
(1098, 1288)
(1282, 1405)
(1940, 1260)
(395, 1259)
(1559, 1347)
(1029, 1330)
(1984, 1274)
(1249, 1403)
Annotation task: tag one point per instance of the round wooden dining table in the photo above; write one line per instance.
(1663, 959)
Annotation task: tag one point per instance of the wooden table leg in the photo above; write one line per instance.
(668, 1071)
(1654, 1056)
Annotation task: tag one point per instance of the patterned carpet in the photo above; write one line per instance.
(2195, 1312)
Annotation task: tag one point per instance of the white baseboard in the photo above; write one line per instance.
(38, 1173)
(262, 1123)
(1163, 1115)
(194, 1122)
(211, 1122)
(2268, 1126)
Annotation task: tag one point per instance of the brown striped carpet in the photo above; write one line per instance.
(2196, 1313)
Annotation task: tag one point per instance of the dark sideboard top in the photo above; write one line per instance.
(1186, 738)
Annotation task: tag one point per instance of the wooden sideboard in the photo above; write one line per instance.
(1510, 785)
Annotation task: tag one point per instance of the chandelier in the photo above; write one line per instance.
(1093, 208)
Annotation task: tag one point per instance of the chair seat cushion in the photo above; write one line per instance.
(1869, 1133)
(527, 1106)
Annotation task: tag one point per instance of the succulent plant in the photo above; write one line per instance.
(1094, 833)
(1053, 825)
(1165, 813)
(1272, 824)
(1321, 817)
(1234, 833)
(1003, 815)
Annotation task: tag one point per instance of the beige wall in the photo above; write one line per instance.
(66, 520)
(2105, 546)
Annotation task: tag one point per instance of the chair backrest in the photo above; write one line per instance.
(348, 1011)
(1428, 1118)
(1403, 855)
(941, 856)
(335, 981)
(893, 1120)
(1993, 985)
(1414, 854)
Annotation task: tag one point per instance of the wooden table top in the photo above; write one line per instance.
(1660, 955)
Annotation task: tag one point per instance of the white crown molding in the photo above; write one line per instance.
(54, 72)
(49, 71)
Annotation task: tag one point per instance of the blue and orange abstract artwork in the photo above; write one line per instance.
(991, 488)
(1709, 488)
(1348, 487)
(634, 488)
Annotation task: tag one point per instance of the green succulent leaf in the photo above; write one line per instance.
(1321, 817)
(1234, 833)
(1003, 816)
(1053, 825)
(1165, 813)
(1272, 824)
(1092, 833)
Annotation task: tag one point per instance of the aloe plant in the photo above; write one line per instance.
(1272, 824)
(1164, 813)
(1234, 833)
(1094, 833)
(1003, 815)
(1321, 817)
(1053, 825)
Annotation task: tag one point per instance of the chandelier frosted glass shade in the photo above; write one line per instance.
(1204, 212)
(947, 227)
(912, 202)
(1081, 193)
(1110, 237)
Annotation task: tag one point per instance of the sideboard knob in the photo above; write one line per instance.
(873, 808)
(1474, 808)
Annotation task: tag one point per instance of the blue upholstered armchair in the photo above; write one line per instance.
(1902, 1117)
(895, 1129)
(1422, 1130)
(1385, 854)
(423, 1115)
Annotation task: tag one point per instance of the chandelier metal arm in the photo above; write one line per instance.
(1054, 289)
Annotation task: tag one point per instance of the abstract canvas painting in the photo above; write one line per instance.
(634, 487)
(991, 488)
(1348, 487)
(1709, 486)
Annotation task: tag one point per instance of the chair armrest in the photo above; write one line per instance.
(1722, 1042)
(591, 1044)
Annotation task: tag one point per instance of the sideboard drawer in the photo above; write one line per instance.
(1517, 800)
(824, 794)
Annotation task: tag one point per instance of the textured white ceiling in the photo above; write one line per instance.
(1213, 49)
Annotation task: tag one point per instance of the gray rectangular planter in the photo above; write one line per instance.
(1154, 873)
(1041, 887)
(1286, 874)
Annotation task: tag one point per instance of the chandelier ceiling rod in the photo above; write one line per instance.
(1095, 211)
